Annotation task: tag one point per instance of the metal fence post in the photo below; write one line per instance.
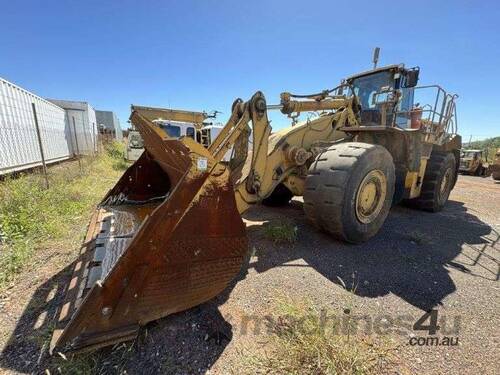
(85, 136)
(76, 144)
(94, 140)
(40, 145)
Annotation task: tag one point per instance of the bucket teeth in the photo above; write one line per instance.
(152, 250)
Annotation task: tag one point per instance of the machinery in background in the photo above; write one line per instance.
(176, 124)
(135, 145)
(473, 163)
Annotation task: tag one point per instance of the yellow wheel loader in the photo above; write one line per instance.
(169, 235)
(473, 163)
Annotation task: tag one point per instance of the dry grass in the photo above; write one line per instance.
(302, 343)
(34, 218)
(112, 361)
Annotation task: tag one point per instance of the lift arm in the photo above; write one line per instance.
(266, 166)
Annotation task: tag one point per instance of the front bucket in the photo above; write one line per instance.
(152, 250)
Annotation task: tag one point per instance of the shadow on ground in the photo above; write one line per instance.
(189, 342)
(411, 258)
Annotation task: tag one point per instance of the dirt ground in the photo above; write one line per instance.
(447, 261)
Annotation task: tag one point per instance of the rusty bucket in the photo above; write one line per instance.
(166, 238)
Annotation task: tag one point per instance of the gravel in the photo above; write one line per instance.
(448, 261)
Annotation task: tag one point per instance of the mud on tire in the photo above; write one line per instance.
(336, 183)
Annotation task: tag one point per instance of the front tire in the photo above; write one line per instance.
(479, 171)
(349, 190)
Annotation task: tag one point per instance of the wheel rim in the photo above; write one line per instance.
(370, 196)
(445, 185)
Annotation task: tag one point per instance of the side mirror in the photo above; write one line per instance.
(412, 77)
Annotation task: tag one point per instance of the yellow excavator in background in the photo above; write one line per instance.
(169, 235)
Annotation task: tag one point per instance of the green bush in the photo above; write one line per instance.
(281, 231)
(115, 150)
(33, 217)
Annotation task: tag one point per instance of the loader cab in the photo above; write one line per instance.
(385, 95)
(471, 154)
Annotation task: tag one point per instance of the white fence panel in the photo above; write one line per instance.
(80, 118)
(19, 148)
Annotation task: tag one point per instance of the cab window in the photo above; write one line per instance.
(172, 130)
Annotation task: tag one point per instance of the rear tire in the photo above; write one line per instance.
(349, 190)
(438, 181)
(496, 176)
(280, 196)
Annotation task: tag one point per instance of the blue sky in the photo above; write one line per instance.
(201, 55)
